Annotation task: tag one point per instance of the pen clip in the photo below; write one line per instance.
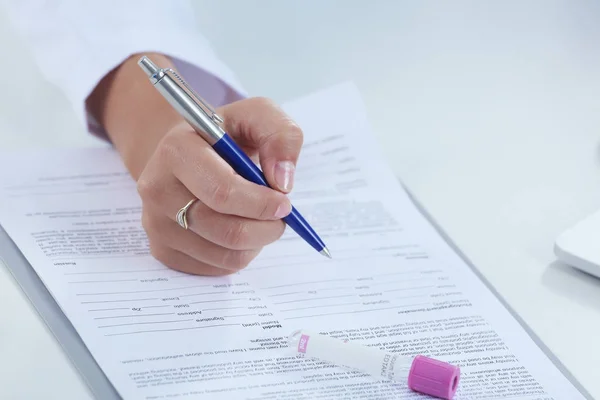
(208, 109)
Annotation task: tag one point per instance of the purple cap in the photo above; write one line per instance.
(433, 377)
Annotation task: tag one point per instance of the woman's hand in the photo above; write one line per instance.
(232, 219)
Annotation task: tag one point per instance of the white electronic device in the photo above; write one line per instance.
(579, 246)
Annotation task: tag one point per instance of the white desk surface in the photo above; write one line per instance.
(489, 112)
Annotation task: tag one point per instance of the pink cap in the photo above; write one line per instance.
(433, 377)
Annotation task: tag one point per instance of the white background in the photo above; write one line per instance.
(488, 111)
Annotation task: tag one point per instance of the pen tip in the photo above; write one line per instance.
(326, 252)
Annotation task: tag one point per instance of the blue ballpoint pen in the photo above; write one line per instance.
(206, 123)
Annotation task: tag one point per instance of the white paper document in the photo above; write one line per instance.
(393, 282)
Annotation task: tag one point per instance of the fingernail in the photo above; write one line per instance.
(283, 210)
(284, 175)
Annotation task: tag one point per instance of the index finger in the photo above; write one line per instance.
(258, 123)
(209, 178)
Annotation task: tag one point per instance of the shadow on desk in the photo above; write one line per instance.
(573, 283)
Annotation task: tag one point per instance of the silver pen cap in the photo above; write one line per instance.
(196, 111)
(148, 66)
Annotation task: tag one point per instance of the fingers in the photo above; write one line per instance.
(232, 232)
(258, 123)
(228, 231)
(169, 237)
(210, 179)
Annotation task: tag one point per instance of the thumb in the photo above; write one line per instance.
(259, 124)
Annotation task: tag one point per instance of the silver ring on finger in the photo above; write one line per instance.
(181, 216)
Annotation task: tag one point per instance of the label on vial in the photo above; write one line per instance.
(354, 356)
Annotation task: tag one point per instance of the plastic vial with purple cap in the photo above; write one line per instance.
(422, 374)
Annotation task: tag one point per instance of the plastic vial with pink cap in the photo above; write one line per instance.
(422, 374)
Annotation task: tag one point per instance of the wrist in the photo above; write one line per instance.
(132, 112)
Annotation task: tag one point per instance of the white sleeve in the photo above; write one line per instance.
(76, 43)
